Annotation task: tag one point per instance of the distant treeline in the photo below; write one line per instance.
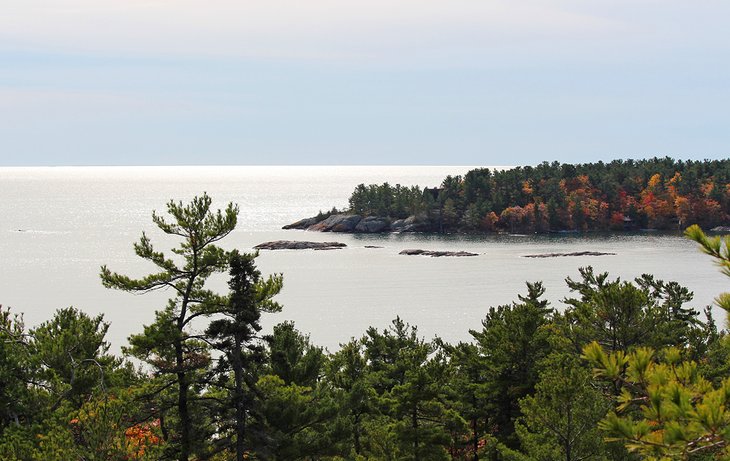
(659, 193)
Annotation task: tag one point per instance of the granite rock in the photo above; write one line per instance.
(299, 245)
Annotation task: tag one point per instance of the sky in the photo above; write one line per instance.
(289, 82)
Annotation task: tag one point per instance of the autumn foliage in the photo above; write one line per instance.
(622, 195)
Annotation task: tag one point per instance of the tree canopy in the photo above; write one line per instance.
(658, 193)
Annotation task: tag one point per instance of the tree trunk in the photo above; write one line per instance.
(182, 403)
(238, 401)
(414, 417)
(182, 381)
(358, 448)
(568, 435)
(163, 427)
(475, 440)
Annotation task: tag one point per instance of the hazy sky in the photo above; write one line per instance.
(470, 82)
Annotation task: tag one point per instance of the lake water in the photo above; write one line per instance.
(59, 225)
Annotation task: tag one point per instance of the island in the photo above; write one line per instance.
(623, 195)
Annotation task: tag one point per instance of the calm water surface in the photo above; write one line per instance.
(59, 225)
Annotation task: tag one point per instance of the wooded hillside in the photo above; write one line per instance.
(621, 195)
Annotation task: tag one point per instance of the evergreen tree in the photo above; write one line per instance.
(301, 421)
(613, 313)
(560, 420)
(293, 358)
(347, 372)
(411, 377)
(167, 344)
(470, 384)
(665, 408)
(620, 315)
(235, 334)
(51, 375)
(16, 403)
(69, 354)
(511, 343)
(301, 414)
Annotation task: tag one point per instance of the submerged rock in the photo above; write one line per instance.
(436, 254)
(299, 245)
(577, 253)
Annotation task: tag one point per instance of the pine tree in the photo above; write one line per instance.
(410, 377)
(167, 344)
(511, 343)
(347, 372)
(665, 408)
(236, 336)
(299, 410)
(560, 419)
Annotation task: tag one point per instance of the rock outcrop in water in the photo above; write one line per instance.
(436, 254)
(302, 223)
(577, 253)
(299, 245)
(356, 224)
(337, 223)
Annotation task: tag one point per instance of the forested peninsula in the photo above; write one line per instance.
(623, 370)
(658, 193)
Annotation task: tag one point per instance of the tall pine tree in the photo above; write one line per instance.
(235, 334)
(168, 344)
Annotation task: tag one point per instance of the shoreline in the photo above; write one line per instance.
(347, 223)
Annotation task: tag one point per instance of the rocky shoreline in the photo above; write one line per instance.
(356, 224)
